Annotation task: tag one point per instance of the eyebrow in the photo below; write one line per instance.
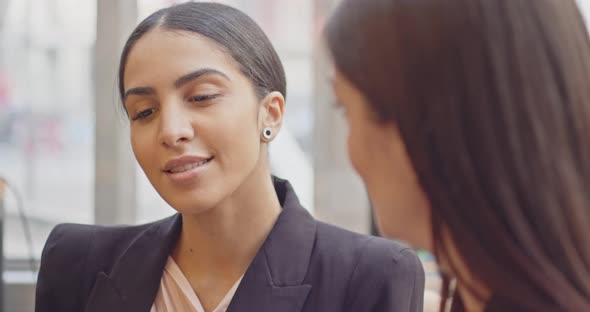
(196, 74)
(178, 83)
(139, 91)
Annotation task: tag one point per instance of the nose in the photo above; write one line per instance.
(175, 126)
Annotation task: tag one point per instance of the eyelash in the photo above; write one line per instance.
(143, 114)
(197, 98)
(201, 98)
(338, 106)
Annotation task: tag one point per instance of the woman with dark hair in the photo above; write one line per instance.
(470, 126)
(204, 92)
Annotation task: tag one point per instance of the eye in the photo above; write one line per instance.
(202, 98)
(143, 114)
(338, 106)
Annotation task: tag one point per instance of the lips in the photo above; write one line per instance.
(188, 166)
(185, 163)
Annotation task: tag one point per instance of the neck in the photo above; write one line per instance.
(223, 241)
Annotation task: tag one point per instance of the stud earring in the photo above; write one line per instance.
(267, 133)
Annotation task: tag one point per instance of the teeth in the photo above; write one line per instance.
(189, 166)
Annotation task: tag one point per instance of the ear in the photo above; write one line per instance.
(270, 114)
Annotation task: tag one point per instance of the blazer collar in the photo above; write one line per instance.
(134, 280)
(274, 280)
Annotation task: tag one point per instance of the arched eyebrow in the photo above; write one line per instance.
(196, 74)
(182, 80)
(139, 91)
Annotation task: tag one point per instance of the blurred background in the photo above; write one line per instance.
(64, 140)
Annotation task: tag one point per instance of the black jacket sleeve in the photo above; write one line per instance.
(60, 279)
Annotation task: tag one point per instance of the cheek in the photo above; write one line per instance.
(359, 148)
(355, 151)
(236, 138)
(400, 204)
(141, 147)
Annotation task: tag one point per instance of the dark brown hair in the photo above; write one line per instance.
(492, 99)
(242, 38)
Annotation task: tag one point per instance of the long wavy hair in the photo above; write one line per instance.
(492, 99)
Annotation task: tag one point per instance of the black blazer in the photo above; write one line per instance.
(304, 265)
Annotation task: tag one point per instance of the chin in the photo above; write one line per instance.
(191, 206)
(190, 201)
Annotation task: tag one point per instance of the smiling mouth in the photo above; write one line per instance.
(188, 167)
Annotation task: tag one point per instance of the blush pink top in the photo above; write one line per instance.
(176, 293)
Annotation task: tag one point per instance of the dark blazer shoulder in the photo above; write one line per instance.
(72, 257)
(63, 262)
(110, 242)
(337, 241)
(69, 242)
(385, 273)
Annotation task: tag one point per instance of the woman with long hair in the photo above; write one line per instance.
(470, 126)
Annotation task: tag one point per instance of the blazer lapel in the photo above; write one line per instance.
(275, 279)
(273, 282)
(134, 280)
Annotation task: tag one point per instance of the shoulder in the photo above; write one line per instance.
(384, 274)
(69, 241)
(363, 247)
(62, 261)
(66, 245)
(73, 243)
(71, 257)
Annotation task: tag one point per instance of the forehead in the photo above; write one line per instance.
(162, 55)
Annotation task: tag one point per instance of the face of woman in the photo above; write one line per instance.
(196, 122)
(379, 156)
